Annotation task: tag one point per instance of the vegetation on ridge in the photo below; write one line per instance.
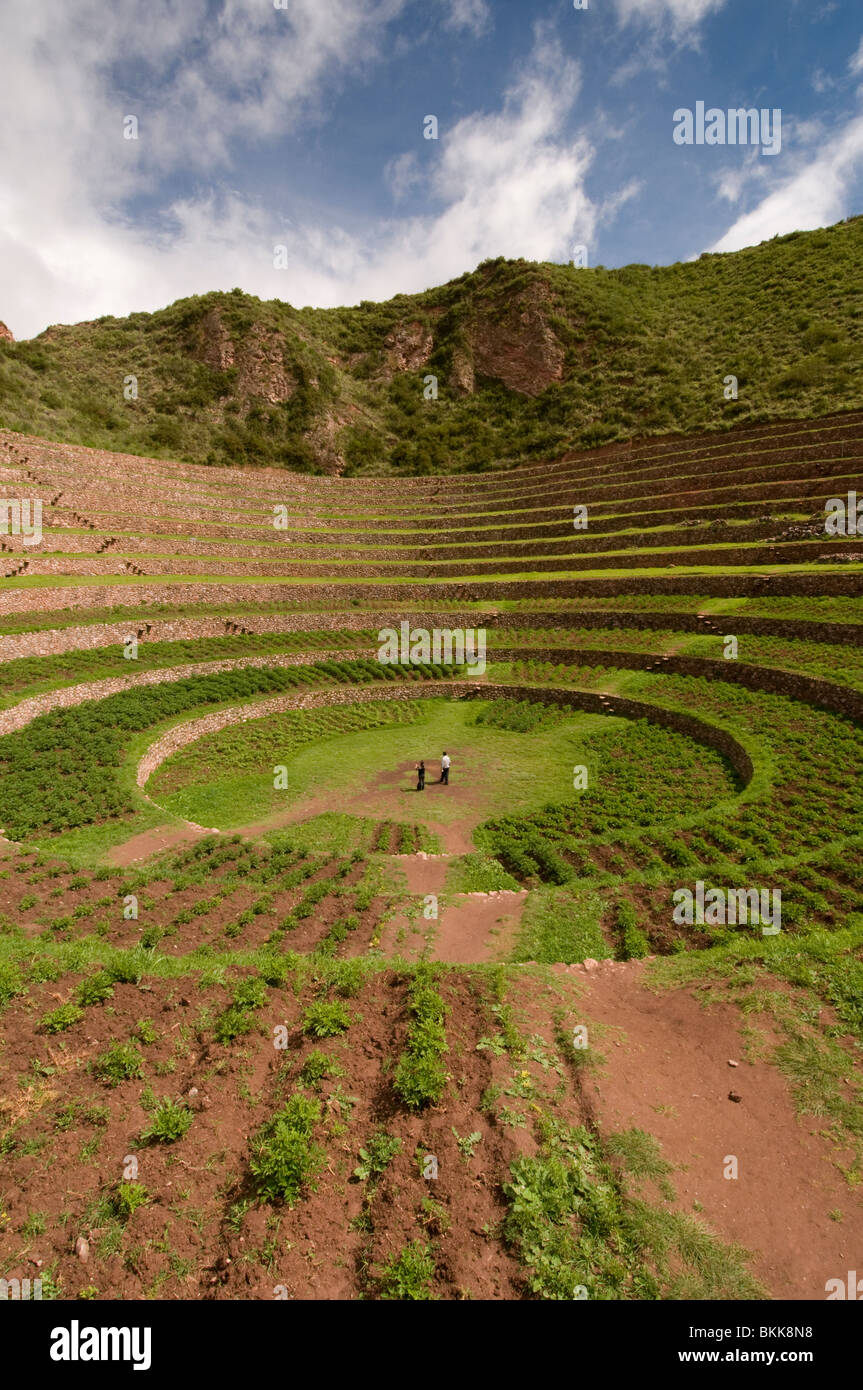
(529, 358)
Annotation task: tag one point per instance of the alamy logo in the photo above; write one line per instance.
(844, 518)
(20, 1290)
(720, 907)
(76, 1343)
(739, 126)
(15, 518)
(442, 646)
(841, 1289)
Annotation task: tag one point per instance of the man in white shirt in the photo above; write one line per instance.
(444, 769)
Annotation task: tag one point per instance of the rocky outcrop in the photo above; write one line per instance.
(462, 376)
(214, 346)
(261, 367)
(322, 439)
(520, 348)
(407, 347)
(259, 360)
(6, 335)
(513, 343)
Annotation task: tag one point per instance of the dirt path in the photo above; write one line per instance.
(668, 1072)
(478, 927)
(151, 842)
(470, 928)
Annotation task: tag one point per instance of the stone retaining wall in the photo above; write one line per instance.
(839, 699)
(571, 560)
(142, 596)
(54, 641)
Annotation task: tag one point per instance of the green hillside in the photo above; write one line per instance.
(529, 359)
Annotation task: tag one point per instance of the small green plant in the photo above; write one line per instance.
(284, 1157)
(35, 1225)
(434, 1217)
(420, 1076)
(634, 943)
(489, 1098)
(408, 1276)
(127, 1197)
(119, 1062)
(169, 1122)
(379, 1152)
(233, 1022)
(145, 1031)
(236, 1019)
(325, 1020)
(348, 976)
(10, 982)
(467, 1143)
(95, 989)
(52, 1287)
(275, 969)
(514, 1119)
(317, 1066)
(60, 1019)
(76, 1113)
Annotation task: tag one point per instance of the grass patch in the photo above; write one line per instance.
(561, 925)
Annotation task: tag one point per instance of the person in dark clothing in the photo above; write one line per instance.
(421, 776)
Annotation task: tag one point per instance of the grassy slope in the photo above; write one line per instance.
(646, 350)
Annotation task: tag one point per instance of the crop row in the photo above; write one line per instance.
(649, 774)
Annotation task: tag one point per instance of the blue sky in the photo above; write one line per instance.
(302, 126)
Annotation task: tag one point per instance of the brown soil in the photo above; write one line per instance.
(667, 1071)
(67, 906)
(471, 927)
(183, 1243)
(478, 927)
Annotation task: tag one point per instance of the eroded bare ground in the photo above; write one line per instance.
(668, 1070)
(461, 928)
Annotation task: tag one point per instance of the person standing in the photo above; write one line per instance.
(421, 776)
(444, 769)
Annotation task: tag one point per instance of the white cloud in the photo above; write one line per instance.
(197, 81)
(468, 14)
(402, 174)
(611, 206)
(821, 82)
(731, 184)
(666, 26)
(507, 182)
(682, 15)
(815, 196)
(856, 64)
(511, 183)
